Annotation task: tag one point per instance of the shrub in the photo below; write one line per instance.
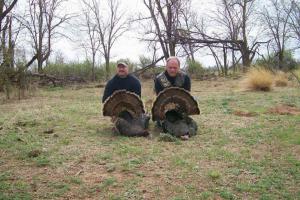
(297, 72)
(272, 61)
(195, 69)
(79, 69)
(258, 79)
(281, 79)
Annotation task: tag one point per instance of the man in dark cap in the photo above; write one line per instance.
(126, 123)
(122, 81)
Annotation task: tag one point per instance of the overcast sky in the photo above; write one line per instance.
(129, 45)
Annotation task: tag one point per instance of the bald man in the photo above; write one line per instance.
(172, 77)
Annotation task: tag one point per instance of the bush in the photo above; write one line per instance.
(79, 69)
(281, 79)
(289, 62)
(83, 69)
(297, 72)
(195, 69)
(258, 79)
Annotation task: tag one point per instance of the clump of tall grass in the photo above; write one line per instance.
(281, 79)
(258, 79)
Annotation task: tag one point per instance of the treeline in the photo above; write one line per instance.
(235, 33)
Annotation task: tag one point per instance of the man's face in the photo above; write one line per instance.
(172, 67)
(122, 70)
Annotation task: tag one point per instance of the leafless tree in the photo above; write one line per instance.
(7, 45)
(42, 21)
(236, 18)
(5, 25)
(89, 27)
(109, 26)
(5, 8)
(295, 20)
(10, 71)
(227, 18)
(276, 16)
(165, 19)
(188, 22)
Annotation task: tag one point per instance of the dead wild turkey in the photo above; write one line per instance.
(128, 110)
(172, 108)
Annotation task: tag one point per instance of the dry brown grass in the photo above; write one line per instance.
(258, 79)
(281, 79)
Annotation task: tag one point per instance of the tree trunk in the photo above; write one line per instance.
(93, 67)
(280, 59)
(107, 68)
(245, 56)
(245, 49)
(233, 61)
(225, 61)
(40, 35)
(172, 48)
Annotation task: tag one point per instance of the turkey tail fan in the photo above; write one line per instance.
(174, 98)
(121, 101)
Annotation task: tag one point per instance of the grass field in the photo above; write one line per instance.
(57, 145)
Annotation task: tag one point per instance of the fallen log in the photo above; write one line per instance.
(54, 80)
(47, 79)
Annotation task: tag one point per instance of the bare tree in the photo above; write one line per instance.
(5, 25)
(237, 17)
(227, 17)
(109, 27)
(165, 19)
(42, 22)
(89, 27)
(295, 20)
(7, 45)
(5, 8)
(276, 17)
(188, 23)
(10, 71)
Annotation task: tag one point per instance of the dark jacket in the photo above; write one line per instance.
(129, 83)
(163, 81)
